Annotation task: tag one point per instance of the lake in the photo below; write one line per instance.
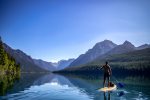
(75, 87)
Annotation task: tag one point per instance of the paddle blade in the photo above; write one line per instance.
(121, 85)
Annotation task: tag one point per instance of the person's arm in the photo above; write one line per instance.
(110, 71)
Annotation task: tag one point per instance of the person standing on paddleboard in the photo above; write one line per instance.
(107, 73)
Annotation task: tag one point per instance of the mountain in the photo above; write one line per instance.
(29, 64)
(53, 66)
(123, 48)
(64, 63)
(98, 50)
(144, 46)
(26, 62)
(45, 65)
(104, 49)
(133, 62)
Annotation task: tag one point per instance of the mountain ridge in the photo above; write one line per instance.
(53, 66)
(135, 63)
(25, 61)
(98, 49)
(118, 49)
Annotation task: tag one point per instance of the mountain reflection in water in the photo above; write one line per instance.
(75, 87)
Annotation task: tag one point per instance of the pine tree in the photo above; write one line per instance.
(7, 63)
(2, 53)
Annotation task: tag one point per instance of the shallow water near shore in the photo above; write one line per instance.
(50, 86)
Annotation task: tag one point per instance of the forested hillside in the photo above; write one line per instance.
(7, 63)
(135, 62)
(9, 70)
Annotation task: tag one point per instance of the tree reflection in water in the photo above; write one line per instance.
(7, 82)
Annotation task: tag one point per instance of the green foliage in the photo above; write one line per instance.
(7, 81)
(139, 59)
(3, 57)
(7, 63)
(9, 70)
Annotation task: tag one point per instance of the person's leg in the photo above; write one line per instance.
(104, 80)
(108, 95)
(105, 96)
(108, 78)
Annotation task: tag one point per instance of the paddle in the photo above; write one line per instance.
(119, 84)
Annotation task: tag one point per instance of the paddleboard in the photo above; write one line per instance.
(106, 89)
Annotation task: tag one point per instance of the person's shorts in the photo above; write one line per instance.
(106, 75)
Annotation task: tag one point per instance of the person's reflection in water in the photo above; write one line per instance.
(105, 98)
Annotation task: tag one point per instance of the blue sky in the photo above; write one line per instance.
(60, 29)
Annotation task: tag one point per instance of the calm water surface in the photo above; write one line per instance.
(71, 87)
